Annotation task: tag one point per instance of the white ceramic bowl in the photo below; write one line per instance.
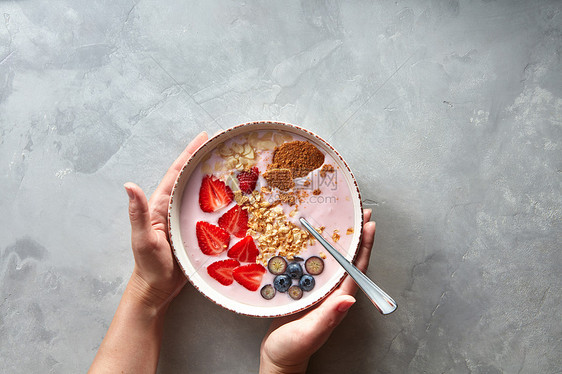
(193, 272)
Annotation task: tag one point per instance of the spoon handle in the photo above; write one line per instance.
(384, 303)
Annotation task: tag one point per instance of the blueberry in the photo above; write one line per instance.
(314, 265)
(307, 282)
(294, 270)
(295, 292)
(267, 292)
(277, 265)
(282, 282)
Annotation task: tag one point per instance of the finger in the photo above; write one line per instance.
(189, 150)
(366, 242)
(141, 227)
(332, 312)
(367, 215)
(364, 255)
(323, 320)
(165, 186)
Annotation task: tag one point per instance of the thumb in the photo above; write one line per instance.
(333, 312)
(327, 317)
(138, 214)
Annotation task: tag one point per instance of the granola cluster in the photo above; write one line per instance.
(267, 224)
(280, 178)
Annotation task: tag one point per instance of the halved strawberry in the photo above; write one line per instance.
(249, 276)
(214, 194)
(247, 179)
(245, 250)
(212, 239)
(222, 271)
(235, 221)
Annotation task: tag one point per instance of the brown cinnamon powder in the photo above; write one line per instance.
(301, 157)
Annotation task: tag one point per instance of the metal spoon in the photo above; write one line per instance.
(384, 303)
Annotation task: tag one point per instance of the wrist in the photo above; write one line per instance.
(151, 301)
(269, 366)
(132, 343)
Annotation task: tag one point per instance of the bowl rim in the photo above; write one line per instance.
(174, 192)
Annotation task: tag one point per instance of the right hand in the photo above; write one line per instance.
(291, 340)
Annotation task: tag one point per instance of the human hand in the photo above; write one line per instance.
(291, 340)
(132, 342)
(156, 277)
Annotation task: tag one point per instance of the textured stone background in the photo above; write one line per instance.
(449, 112)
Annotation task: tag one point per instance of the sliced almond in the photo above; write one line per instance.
(224, 151)
(267, 145)
(286, 136)
(206, 168)
(219, 166)
(278, 139)
(267, 135)
(230, 162)
(253, 140)
(253, 136)
(247, 149)
(237, 148)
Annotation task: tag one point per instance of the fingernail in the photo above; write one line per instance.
(129, 192)
(369, 210)
(344, 306)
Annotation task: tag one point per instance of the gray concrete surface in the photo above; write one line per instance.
(449, 112)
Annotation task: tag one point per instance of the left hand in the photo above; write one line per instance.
(156, 277)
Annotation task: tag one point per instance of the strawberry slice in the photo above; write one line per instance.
(247, 179)
(249, 276)
(222, 271)
(214, 194)
(212, 239)
(235, 221)
(245, 250)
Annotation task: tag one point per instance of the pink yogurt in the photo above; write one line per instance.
(332, 208)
